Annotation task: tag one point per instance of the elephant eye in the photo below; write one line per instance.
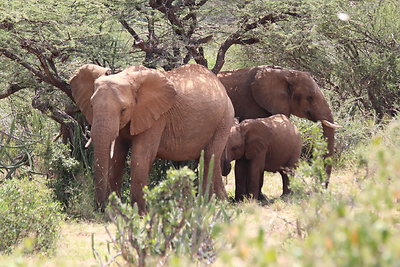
(297, 97)
(309, 99)
(123, 110)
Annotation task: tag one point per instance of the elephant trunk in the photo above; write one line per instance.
(103, 135)
(226, 168)
(329, 133)
(225, 163)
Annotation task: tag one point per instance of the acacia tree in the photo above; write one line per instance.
(174, 32)
(351, 47)
(42, 43)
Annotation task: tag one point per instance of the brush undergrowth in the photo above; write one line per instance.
(28, 215)
(328, 228)
(180, 220)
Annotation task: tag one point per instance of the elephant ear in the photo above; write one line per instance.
(154, 95)
(82, 87)
(254, 141)
(271, 90)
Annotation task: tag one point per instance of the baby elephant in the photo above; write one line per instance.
(266, 144)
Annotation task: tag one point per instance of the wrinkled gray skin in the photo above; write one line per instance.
(262, 91)
(266, 144)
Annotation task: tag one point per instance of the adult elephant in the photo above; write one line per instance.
(262, 91)
(156, 114)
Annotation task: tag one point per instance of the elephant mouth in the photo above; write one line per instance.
(311, 117)
(327, 123)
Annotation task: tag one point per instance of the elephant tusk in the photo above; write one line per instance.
(330, 124)
(88, 142)
(112, 149)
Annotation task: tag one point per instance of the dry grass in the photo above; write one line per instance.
(343, 181)
(74, 247)
(278, 219)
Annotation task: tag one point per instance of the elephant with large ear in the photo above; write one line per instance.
(170, 115)
(263, 91)
(265, 144)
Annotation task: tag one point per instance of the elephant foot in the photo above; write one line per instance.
(100, 206)
(262, 197)
(142, 207)
(221, 193)
(286, 193)
(218, 188)
(238, 199)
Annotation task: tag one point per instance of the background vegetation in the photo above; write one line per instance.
(352, 48)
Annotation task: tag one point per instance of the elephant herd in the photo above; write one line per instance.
(174, 115)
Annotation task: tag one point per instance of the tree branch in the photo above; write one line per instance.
(236, 37)
(11, 90)
(51, 78)
(166, 8)
(62, 85)
(178, 25)
(131, 31)
(56, 114)
(15, 58)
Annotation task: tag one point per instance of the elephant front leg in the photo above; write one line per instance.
(143, 156)
(241, 174)
(117, 166)
(139, 178)
(261, 196)
(144, 152)
(256, 169)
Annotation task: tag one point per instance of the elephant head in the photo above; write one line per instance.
(285, 91)
(244, 141)
(136, 97)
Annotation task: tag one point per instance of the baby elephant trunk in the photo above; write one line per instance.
(225, 164)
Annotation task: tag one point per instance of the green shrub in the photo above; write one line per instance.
(342, 235)
(178, 222)
(358, 230)
(61, 167)
(27, 210)
(356, 57)
(71, 181)
(310, 174)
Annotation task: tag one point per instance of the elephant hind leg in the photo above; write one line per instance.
(217, 186)
(215, 147)
(290, 165)
(285, 183)
(253, 181)
(241, 174)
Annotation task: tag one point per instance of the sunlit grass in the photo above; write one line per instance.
(279, 219)
(74, 247)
